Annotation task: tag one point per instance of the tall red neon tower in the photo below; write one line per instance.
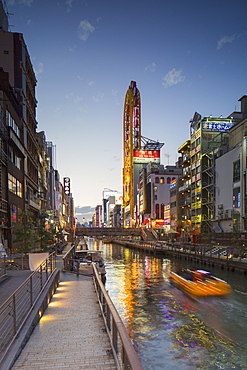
(131, 142)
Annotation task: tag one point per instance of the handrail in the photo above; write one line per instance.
(122, 347)
(143, 234)
(154, 232)
(15, 310)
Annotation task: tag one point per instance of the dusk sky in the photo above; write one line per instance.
(185, 56)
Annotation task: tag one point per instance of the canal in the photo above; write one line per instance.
(169, 329)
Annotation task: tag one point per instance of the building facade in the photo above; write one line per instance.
(27, 175)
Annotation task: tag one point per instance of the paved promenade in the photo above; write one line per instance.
(71, 334)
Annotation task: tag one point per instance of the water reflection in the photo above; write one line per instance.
(169, 329)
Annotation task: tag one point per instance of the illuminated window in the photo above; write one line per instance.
(14, 185)
(236, 198)
(162, 180)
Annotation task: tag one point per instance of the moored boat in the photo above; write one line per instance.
(199, 283)
(106, 240)
(86, 258)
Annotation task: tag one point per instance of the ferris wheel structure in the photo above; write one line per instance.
(132, 141)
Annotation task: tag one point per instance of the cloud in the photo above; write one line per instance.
(151, 67)
(84, 212)
(25, 2)
(78, 99)
(74, 98)
(39, 69)
(98, 97)
(84, 30)
(115, 96)
(173, 77)
(226, 40)
(69, 3)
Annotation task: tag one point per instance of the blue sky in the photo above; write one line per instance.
(185, 56)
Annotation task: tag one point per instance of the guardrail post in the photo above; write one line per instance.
(31, 290)
(125, 361)
(108, 317)
(114, 336)
(40, 276)
(46, 268)
(14, 314)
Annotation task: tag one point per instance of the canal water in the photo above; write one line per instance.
(169, 329)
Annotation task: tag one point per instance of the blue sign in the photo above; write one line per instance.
(217, 126)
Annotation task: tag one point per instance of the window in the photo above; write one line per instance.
(236, 198)
(17, 162)
(157, 211)
(168, 180)
(162, 211)
(14, 185)
(236, 171)
(157, 180)
(14, 158)
(162, 180)
(173, 193)
(11, 122)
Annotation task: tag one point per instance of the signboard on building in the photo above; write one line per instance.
(66, 185)
(173, 183)
(217, 125)
(146, 156)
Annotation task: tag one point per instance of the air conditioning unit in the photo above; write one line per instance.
(228, 214)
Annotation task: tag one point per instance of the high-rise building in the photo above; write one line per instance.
(184, 191)
(208, 135)
(28, 180)
(15, 61)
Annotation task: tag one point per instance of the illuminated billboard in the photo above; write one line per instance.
(146, 156)
(217, 125)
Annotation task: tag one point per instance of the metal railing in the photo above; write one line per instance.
(122, 347)
(3, 274)
(15, 310)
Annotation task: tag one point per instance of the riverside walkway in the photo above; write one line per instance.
(71, 333)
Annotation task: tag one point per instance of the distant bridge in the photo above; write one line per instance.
(107, 231)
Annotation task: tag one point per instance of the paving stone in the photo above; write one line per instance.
(70, 334)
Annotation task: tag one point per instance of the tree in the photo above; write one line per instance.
(59, 234)
(24, 234)
(45, 233)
